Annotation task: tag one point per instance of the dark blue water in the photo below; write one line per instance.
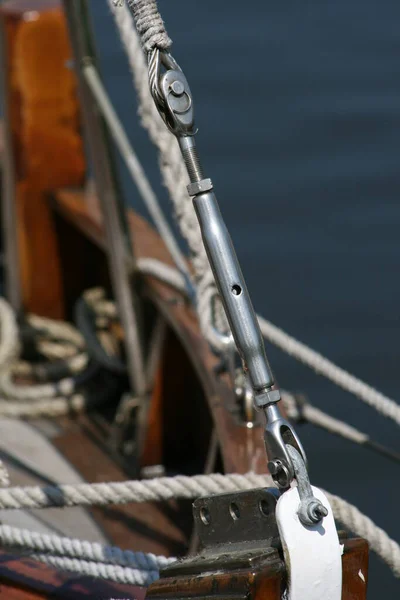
(298, 108)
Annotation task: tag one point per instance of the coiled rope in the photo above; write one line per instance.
(30, 389)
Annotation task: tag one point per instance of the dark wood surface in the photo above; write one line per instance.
(43, 137)
(26, 579)
(265, 581)
(242, 448)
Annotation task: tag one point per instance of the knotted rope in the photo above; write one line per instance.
(30, 389)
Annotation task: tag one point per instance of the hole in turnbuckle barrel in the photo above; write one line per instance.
(234, 511)
(205, 515)
(264, 507)
(236, 290)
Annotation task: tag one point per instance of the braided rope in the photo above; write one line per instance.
(74, 548)
(175, 179)
(103, 494)
(9, 339)
(150, 25)
(179, 487)
(101, 570)
(378, 539)
(298, 350)
(321, 365)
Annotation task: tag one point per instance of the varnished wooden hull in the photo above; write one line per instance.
(61, 239)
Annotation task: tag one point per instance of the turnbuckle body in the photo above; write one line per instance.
(173, 99)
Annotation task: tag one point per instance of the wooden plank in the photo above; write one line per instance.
(264, 580)
(148, 527)
(242, 447)
(44, 140)
(22, 578)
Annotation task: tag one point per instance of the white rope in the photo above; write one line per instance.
(301, 352)
(103, 494)
(9, 338)
(82, 549)
(166, 488)
(58, 330)
(99, 570)
(9, 349)
(64, 349)
(53, 407)
(321, 365)
(378, 539)
(19, 392)
(150, 25)
(175, 178)
(161, 271)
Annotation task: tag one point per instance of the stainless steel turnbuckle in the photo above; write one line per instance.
(173, 98)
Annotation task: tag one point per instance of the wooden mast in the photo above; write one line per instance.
(44, 138)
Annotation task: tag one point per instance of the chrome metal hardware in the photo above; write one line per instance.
(173, 98)
(311, 510)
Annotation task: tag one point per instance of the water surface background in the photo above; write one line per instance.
(298, 108)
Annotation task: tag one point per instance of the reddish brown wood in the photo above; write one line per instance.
(260, 584)
(45, 139)
(153, 448)
(355, 569)
(242, 448)
(148, 527)
(26, 579)
(263, 582)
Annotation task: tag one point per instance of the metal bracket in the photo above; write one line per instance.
(236, 530)
(312, 554)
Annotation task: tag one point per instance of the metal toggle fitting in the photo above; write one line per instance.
(311, 510)
(278, 435)
(171, 93)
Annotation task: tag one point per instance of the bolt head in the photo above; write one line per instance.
(274, 466)
(177, 88)
(317, 511)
